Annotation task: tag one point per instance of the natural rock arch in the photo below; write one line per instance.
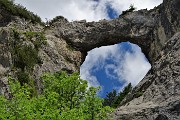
(136, 27)
(156, 31)
(148, 29)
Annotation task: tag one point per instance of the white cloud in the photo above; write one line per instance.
(112, 68)
(128, 66)
(120, 5)
(95, 60)
(92, 80)
(70, 9)
(82, 9)
(134, 66)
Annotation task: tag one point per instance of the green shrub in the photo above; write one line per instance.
(40, 39)
(23, 77)
(131, 9)
(57, 18)
(19, 10)
(64, 97)
(138, 94)
(26, 57)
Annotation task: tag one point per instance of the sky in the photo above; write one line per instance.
(111, 67)
(91, 10)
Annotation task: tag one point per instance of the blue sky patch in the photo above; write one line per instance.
(112, 67)
(111, 12)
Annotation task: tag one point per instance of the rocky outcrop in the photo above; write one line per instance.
(55, 55)
(156, 31)
(161, 89)
(135, 27)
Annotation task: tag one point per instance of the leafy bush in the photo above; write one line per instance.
(26, 57)
(64, 97)
(19, 10)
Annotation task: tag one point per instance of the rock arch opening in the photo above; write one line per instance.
(114, 66)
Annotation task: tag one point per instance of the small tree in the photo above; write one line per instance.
(123, 94)
(110, 98)
(113, 100)
(131, 8)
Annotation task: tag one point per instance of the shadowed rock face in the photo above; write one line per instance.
(156, 31)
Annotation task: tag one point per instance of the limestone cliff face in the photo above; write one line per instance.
(157, 32)
(160, 89)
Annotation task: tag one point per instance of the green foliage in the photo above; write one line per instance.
(18, 107)
(138, 94)
(71, 89)
(25, 56)
(110, 99)
(64, 97)
(57, 18)
(113, 100)
(23, 77)
(93, 106)
(39, 40)
(3, 108)
(123, 94)
(19, 10)
(131, 9)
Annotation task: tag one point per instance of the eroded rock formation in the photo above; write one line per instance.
(157, 32)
